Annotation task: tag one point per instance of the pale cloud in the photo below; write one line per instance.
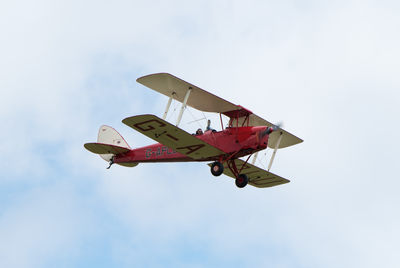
(44, 225)
(328, 70)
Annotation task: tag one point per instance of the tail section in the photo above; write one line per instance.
(108, 135)
(109, 143)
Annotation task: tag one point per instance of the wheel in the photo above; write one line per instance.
(217, 168)
(241, 181)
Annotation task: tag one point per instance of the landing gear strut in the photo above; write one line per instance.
(217, 168)
(241, 180)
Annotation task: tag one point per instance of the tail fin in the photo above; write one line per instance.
(109, 136)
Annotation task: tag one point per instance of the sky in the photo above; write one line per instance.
(329, 70)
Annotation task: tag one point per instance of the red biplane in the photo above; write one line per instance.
(245, 135)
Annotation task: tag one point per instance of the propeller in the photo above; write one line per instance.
(271, 129)
(267, 131)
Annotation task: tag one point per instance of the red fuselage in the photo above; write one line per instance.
(240, 141)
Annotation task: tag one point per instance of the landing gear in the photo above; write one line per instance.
(241, 180)
(217, 168)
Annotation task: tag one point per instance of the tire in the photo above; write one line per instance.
(241, 181)
(217, 168)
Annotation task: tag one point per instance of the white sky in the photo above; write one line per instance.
(329, 71)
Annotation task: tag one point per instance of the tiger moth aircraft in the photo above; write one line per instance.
(245, 135)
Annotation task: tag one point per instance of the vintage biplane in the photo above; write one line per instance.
(245, 135)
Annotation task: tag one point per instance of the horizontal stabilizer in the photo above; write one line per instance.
(101, 148)
(257, 177)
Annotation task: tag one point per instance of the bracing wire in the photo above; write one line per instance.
(261, 160)
(196, 120)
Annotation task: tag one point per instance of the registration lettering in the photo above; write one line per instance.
(149, 125)
(191, 148)
(158, 152)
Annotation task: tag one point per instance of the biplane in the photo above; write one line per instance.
(245, 135)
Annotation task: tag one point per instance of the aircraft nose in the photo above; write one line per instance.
(266, 131)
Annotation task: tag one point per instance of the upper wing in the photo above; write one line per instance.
(257, 177)
(200, 99)
(172, 136)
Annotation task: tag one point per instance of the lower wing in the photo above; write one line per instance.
(172, 136)
(257, 177)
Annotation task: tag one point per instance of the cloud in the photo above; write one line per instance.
(328, 70)
(43, 225)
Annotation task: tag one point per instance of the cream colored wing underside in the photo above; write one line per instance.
(172, 136)
(200, 99)
(257, 177)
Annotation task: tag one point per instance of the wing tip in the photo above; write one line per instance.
(89, 146)
(153, 74)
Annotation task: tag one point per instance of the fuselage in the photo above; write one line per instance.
(240, 141)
